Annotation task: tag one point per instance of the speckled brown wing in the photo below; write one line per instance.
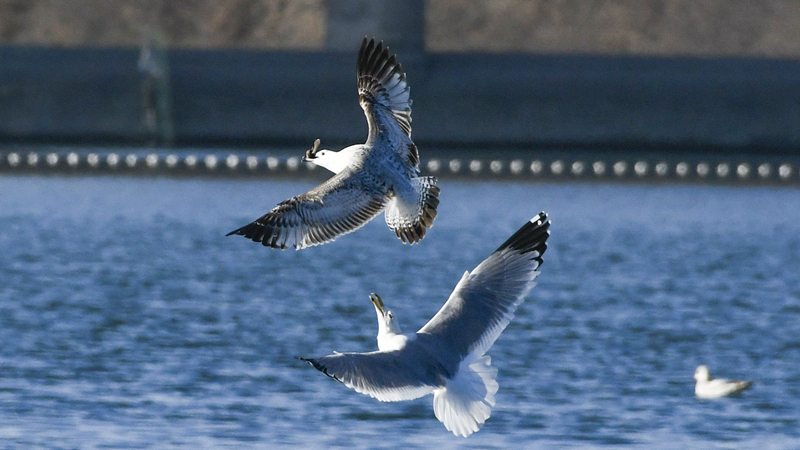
(341, 205)
(382, 86)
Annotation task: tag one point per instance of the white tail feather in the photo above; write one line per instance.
(466, 401)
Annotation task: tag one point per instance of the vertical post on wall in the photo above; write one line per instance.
(153, 68)
(401, 24)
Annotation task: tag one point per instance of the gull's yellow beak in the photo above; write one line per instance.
(376, 300)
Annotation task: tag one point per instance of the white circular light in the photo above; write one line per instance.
(682, 169)
(537, 167)
(211, 162)
(703, 169)
(13, 159)
(232, 161)
(131, 160)
(496, 167)
(72, 159)
(475, 165)
(516, 166)
(112, 160)
(171, 161)
(151, 160)
(434, 165)
(273, 162)
(723, 169)
(293, 163)
(640, 168)
(764, 170)
(455, 165)
(784, 171)
(578, 167)
(557, 167)
(93, 159)
(252, 162)
(662, 169)
(599, 168)
(743, 170)
(52, 159)
(620, 167)
(33, 159)
(190, 161)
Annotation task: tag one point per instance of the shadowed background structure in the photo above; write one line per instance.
(511, 73)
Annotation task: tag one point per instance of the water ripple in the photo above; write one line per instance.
(128, 320)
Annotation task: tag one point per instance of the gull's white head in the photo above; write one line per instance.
(329, 159)
(389, 335)
(386, 321)
(702, 374)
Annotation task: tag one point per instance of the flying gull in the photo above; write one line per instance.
(707, 387)
(446, 356)
(380, 175)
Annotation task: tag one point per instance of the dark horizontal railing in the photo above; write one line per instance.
(505, 165)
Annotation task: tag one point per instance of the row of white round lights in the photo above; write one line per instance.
(152, 161)
(619, 169)
(516, 167)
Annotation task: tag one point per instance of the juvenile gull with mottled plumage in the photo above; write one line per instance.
(447, 357)
(380, 175)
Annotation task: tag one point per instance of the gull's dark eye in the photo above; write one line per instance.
(391, 316)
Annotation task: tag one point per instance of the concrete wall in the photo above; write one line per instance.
(276, 98)
(208, 24)
(161, 93)
(631, 27)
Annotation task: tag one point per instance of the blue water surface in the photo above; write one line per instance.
(128, 319)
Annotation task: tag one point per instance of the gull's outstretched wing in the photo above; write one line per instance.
(484, 301)
(343, 204)
(387, 376)
(384, 95)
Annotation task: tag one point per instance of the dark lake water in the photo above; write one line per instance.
(128, 320)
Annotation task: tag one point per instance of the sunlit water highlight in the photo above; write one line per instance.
(128, 320)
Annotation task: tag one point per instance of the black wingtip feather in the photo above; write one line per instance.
(247, 231)
(531, 237)
(375, 67)
(314, 364)
(318, 366)
(258, 232)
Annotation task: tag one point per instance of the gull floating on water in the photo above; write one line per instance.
(715, 388)
(380, 175)
(446, 356)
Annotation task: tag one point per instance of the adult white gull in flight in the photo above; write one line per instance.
(446, 356)
(706, 387)
(380, 175)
